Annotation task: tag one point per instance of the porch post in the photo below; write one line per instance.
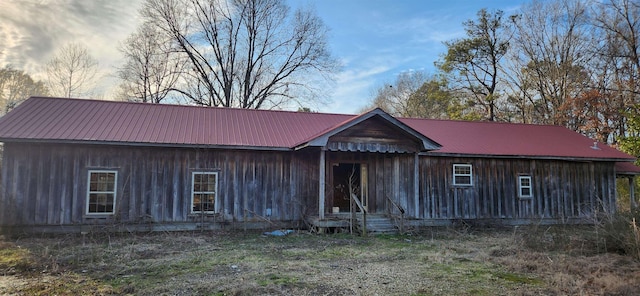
(321, 184)
(632, 193)
(416, 184)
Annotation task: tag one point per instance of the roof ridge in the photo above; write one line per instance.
(479, 121)
(184, 106)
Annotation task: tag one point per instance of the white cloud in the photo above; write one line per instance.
(33, 30)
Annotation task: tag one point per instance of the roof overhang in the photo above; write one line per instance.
(542, 157)
(627, 169)
(144, 144)
(321, 139)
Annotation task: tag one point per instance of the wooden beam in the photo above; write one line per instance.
(416, 185)
(321, 184)
(632, 193)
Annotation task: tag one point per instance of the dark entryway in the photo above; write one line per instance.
(343, 173)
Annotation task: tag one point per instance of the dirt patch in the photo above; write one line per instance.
(435, 262)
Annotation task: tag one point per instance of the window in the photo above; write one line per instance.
(101, 193)
(462, 175)
(524, 187)
(203, 194)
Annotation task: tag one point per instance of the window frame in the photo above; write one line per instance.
(470, 174)
(521, 187)
(215, 193)
(89, 192)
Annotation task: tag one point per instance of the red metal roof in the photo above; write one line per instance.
(74, 120)
(627, 168)
(512, 140)
(59, 119)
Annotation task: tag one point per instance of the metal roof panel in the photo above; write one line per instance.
(75, 120)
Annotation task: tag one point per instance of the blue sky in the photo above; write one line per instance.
(374, 39)
(378, 39)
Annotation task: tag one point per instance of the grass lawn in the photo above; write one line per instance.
(558, 260)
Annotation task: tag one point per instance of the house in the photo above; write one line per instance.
(72, 165)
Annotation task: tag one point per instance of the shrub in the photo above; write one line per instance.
(621, 232)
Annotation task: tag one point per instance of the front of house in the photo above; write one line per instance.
(72, 165)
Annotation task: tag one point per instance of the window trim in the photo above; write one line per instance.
(89, 192)
(216, 207)
(470, 174)
(520, 187)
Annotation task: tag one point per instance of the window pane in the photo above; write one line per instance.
(525, 186)
(462, 180)
(101, 197)
(462, 170)
(204, 188)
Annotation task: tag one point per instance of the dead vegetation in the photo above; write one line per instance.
(558, 260)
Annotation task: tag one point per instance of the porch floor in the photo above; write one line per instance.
(340, 222)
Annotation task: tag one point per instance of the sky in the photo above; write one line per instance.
(375, 40)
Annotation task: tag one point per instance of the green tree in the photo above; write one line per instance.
(432, 100)
(474, 61)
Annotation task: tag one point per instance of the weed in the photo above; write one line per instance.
(15, 259)
(621, 233)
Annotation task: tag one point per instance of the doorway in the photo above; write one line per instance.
(343, 173)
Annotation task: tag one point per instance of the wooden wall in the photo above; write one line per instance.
(46, 184)
(389, 175)
(561, 189)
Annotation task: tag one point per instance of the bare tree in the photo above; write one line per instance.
(17, 86)
(618, 24)
(414, 94)
(72, 72)
(474, 61)
(244, 53)
(394, 98)
(552, 57)
(151, 69)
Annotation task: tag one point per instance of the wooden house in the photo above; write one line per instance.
(73, 165)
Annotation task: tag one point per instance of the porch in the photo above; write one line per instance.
(345, 222)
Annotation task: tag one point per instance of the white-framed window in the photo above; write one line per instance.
(524, 187)
(462, 175)
(204, 188)
(101, 192)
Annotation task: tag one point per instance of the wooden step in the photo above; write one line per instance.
(378, 224)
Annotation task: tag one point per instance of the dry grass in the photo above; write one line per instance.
(521, 261)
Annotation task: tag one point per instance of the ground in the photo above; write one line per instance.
(453, 261)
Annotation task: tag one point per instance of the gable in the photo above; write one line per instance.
(374, 135)
(374, 131)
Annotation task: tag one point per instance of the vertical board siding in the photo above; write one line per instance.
(46, 184)
(561, 189)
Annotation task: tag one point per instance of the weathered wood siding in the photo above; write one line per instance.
(561, 189)
(46, 184)
(389, 175)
